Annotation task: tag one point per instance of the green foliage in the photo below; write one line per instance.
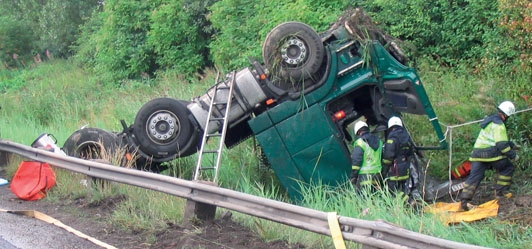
(87, 42)
(12, 80)
(16, 42)
(516, 21)
(121, 48)
(134, 40)
(58, 23)
(449, 31)
(179, 35)
(413, 21)
(383, 205)
(243, 25)
(36, 26)
(148, 210)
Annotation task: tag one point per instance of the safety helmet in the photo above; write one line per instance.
(507, 108)
(393, 121)
(359, 125)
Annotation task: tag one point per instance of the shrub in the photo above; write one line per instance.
(16, 42)
(516, 21)
(243, 25)
(448, 31)
(179, 35)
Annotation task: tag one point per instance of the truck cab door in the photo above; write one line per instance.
(403, 96)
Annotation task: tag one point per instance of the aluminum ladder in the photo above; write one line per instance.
(212, 119)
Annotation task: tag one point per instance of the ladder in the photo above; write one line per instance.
(212, 119)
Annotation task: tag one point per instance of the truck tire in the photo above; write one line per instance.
(163, 129)
(91, 143)
(398, 53)
(293, 52)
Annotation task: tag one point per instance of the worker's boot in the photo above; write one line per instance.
(503, 194)
(502, 187)
(464, 205)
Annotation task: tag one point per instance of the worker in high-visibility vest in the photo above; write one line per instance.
(492, 150)
(366, 156)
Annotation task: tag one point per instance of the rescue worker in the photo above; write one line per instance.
(397, 155)
(366, 164)
(492, 150)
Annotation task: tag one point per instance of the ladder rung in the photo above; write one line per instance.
(207, 167)
(216, 109)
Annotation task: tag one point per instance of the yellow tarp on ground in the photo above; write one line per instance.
(450, 212)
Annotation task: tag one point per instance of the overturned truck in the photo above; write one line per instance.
(298, 104)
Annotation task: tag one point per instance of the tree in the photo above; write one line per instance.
(44, 24)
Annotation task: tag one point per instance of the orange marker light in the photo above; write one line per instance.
(339, 115)
(263, 76)
(270, 101)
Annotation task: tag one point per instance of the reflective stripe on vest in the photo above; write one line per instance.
(398, 178)
(486, 142)
(490, 135)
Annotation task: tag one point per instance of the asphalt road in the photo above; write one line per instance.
(23, 232)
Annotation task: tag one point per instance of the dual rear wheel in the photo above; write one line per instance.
(293, 53)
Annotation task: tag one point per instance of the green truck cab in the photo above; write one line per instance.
(298, 104)
(305, 138)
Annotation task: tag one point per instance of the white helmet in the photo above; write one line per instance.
(507, 108)
(393, 121)
(359, 125)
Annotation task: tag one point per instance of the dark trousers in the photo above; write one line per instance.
(504, 168)
(397, 187)
(369, 181)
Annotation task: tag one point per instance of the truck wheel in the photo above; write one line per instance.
(91, 143)
(293, 51)
(162, 129)
(398, 53)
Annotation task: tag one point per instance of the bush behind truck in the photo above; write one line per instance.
(298, 103)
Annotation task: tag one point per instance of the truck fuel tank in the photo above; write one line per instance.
(247, 95)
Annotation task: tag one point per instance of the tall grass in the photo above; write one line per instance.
(459, 98)
(58, 98)
(382, 205)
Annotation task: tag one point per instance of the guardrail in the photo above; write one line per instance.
(372, 234)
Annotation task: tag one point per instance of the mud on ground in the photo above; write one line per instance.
(92, 220)
(515, 210)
